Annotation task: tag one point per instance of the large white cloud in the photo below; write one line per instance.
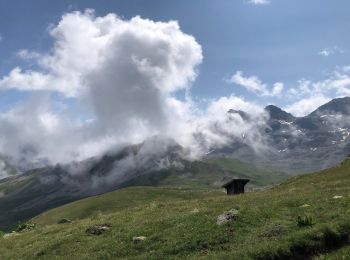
(124, 71)
(127, 74)
(85, 44)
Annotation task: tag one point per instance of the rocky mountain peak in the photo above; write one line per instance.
(278, 114)
(335, 106)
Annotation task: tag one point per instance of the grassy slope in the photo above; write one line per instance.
(209, 173)
(25, 196)
(181, 223)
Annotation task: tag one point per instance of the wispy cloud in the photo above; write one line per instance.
(259, 2)
(308, 95)
(330, 51)
(338, 84)
(1, 38)
(255, 85)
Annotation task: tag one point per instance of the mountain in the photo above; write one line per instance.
(335, 106)
(275, 113)
(298, 144)
(306, 217)
(8, 168)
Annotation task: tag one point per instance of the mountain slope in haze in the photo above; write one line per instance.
(7, 168)
(182, 223)
(298, 144)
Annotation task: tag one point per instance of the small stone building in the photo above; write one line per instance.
(235, 186)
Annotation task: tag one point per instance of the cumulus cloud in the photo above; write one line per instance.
(254, 84)
(305, 106)
(155, 49)
(127, 74)
(124, 71)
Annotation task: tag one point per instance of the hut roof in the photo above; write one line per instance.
(244, 181)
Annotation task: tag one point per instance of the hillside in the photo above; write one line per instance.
(25, 196)
(304, 217)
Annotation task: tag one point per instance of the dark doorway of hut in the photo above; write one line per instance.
(235, 186)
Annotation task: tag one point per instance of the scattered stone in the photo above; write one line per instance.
(12, 234)
(195, 210)
(337, 197)
(305, 206)
(227, 216)
(64, 221)
(98, 229)
(138, 239)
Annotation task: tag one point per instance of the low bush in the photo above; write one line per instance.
(25, 226)
(305, 221)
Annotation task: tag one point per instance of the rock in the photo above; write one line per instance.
(227, 216)
(195, 210)
(337, 197)
(12, 234)
(64, 221)
(138, 239)
(305, 206)
(98, 229)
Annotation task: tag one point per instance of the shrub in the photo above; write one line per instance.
(305, 221)
(2, 233)
(25, 226)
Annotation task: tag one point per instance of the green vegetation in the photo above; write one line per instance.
(305, 221)
(25, 226)
(208, 173)
(178, 223)
(259, 176)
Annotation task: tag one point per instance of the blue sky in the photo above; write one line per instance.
(280, 41)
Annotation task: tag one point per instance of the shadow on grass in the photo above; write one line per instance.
(310, 243)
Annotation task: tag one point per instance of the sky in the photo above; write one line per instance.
(123, 70)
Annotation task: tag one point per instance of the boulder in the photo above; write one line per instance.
(64, 221)
(138, 239)
(98, 229)
(229, 215)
